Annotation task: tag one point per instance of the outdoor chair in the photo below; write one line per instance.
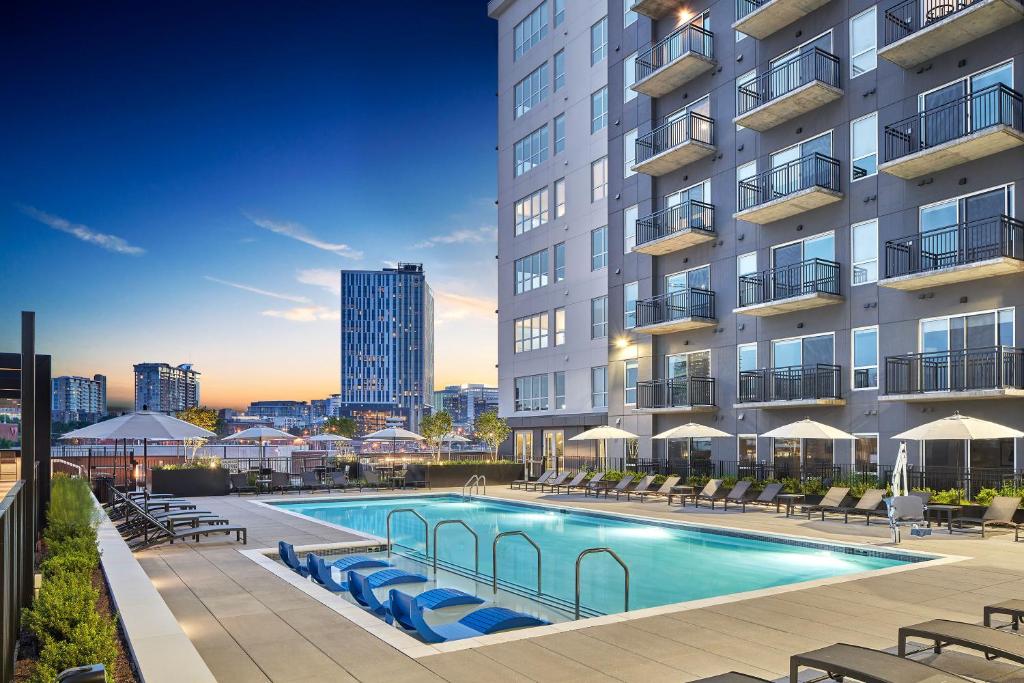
(480, 622)
(833, 499)
(520, 483)
(282, 481)
(311, 482)
(992, 643)
(596, 482)
(710, 489)
(373, 480)
(163, 531)
(1011, 608)
(550, 481)
(574, 483)
(641, 486)
(239, 483)
(664, 491)
(868, 505)
(286, 551)
(737, 496)
(865, 664)
(320, 571)
(339, 480)
(732, 677)
(607, 488)
(768, 496)
(1000, 512)
(401, 604)
(361, 586)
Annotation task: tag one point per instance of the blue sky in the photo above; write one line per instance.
(182, 182)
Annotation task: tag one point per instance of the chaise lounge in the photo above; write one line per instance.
(865, 664)
(551, 481)
(401, 604)
(832, 500)
(867, 505)
(768, 496)
(641, 486)
(992, 643)
(480, 622)
(1000, 512)
(361, 586)
(663, 492)
(737, 495)
(519, 483)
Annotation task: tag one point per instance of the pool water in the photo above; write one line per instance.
(667, 563)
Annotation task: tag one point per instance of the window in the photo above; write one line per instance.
(530, 30)
(531, 271)
(746, 448)
(863, 38)
(630, 292)
(744, 172)
(865, 453)
(559, 133)
(865, 358)
(629, 16)
(599, 248)
(531, 392)
(599, 41)
(864, 146)
(599, 109)
(803, 351)
(973, 331)
(629, 153)
(864, 237)
(531, 151)
(532, 90)
(599, 179)
(559, 326)
(599, 387)
(628, 77)
(559, 70)
(740, 36)
(532, 211)
(629, 219)
(559, 261)
(599, 317)
(746, 264)
(745, 81)
(531, 333)
(746, 357)
(559, 197)
(559, 12)
(632, 368)
(559, 378)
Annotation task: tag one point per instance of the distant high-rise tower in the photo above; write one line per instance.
(387, 345)
(166, 388)
(79, 398)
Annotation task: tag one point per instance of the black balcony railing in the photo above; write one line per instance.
(689, 127)
(910, 16)
(796, 383)
(955, 245)
(865, 378)
(680, 392)
(994, 367)
(687, 38)
(686, 303)
(991, 106)
(784, 78)
(813, 170)
(16, 544)
(786, 282)
(745, 7)
(686, 217)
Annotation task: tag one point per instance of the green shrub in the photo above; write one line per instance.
(75, 563)
(72, 545)
(71, 511)
(985, 496)
(63, 602)
(91, 641)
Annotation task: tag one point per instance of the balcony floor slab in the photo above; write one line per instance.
(770, 17)
(676, 241)
(671, 326)
(655, 9)
(674, 158)
(674, 409)
(977, 145)
(676, 73)
(971, 395)
(796, 303)
(962, 273)
(798, 403)
(806, 98)
(790, 205)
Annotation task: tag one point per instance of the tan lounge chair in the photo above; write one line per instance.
(737, 496)
(867, 505)
(833, 499)
(999, 513)
(865, 664)
(992, 643)
(641, 486)
(664, 491)
(768, 496)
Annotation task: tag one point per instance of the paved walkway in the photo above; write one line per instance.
(249, 625)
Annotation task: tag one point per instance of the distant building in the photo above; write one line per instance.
(465, 403)
(79, 399)
(283, 414)
(165, 388)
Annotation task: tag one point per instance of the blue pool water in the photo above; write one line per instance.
(667, 563)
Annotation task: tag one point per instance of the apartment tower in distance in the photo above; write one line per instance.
(811, 212)
(79, 398)
(387, 346)
(166, 388)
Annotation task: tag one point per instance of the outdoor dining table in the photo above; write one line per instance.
(682, 490)
(949, 510)
(790, 499)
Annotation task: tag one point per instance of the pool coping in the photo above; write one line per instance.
(416, 649)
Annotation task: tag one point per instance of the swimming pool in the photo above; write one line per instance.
(668, 562)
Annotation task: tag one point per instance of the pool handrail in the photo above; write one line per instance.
(476, 543)
(494, 557)
(426, 530)
(474, 482)
(615, 556)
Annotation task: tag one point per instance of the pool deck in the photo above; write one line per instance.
(249, 625)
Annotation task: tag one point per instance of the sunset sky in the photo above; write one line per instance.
(183, 182)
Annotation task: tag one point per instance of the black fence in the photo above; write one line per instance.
(785, 282)
(991, 106)
(745, 7)
(795, 383)
(690, 215)
(685, 303)
(784, 78)
(813, 170)
(689, 127)
(679, 392)
(904, 18)
(995, 367)
(955, 245)
(16, 580)
(688, 38)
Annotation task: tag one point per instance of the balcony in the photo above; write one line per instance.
(655, 9)
(761, 18)
(687, 309)
(796, 287)
(918, 30)
(970, 127)
(682, 56)
(792, 387)
(788, 90)
(962, 374)
(974, 250)
(675, 144)
(801, 185)
(677, 395)
(675, 228)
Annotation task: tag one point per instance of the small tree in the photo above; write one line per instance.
(342, 426)
(435, 428)
(202, 417)
(493, 430)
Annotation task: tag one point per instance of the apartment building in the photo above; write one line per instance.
(166, 388)
(79, 398)
(812, 213)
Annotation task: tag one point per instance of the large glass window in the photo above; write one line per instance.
(863, 39)
(530, 30)
(803, 351)
(599, 179)
(559, 379)
(559, 197)
(629, 15)
(531, 333)
(531, 392)
(746, 357)
(599, 109)
(865, 358)
(865, 453)
(559, 326)
(599, 317)
(559, 133)
(864, 146)
(629, 219)
(531, 271)
(743, 81)
(599, 387)
(559, 70)
(531, 150)
(532, 211)
(746, 447)
(968, 332)
(629, 153)
(532, 90)
(559, 261)
(559, 12)
(864, 238)
(599, 41)
(630, 293)
(683, 365)
(599, 248)
(629, 76)
(630, 370)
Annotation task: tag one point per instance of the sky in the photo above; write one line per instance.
(182, 182)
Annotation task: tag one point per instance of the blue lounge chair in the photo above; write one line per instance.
(401, 604)
(291, 560)
(320, 571)
(361, 587)
(480, 622)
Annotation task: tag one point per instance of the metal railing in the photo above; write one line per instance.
(784, 78)
(955, 245)
(678, 392)
(967, 114)
(813, 170)
(690, 216)
(689, 127)
(688, 38)
(476, 543)
(785, 282)
(16, 582)
(494, 557)
(474, 482)
(685, 303)
(910, 16)
(745, 7)
(994, 367)
(426, 529)
(794, 383)
(615, 556)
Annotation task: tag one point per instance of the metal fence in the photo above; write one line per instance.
(795, 383)
(787, 76)
(910, 16)
(813, 170)
(690, 126)
(16, 578)
(786, 282)
(685, 303)
(745, 7)
(688, 38)
(678, 392)
(690, 215)
(955, 245)
(994, 367)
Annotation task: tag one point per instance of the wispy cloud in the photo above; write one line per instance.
(453, 306)
(461, 236)
(256, 290)
(324, 278)
(103, 240)
(305, 314)
(301, 234)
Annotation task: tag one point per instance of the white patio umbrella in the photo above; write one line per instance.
(451, 438)
(691, 430)
(394, 435)
(260, 434)
(808, 429)
(328, 438)
(602, 434)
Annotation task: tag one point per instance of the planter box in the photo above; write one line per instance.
(189, 483)
(450, 476)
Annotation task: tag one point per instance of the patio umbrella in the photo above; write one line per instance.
(451, 438)
(328, 438)
(602, 434)
(691, 430)
(394, 435)
(260, 434)
(808, 429)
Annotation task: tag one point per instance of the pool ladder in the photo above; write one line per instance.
(475, 482)
(615, 556)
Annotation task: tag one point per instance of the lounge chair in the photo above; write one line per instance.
(640, 487)
(282, 481)
(620, 486)
(1013, 608)
(768, 496)
(286, 551)
(320, 571)
(551, 481)
(159, 530)
(519, 483)
(712, 488)
(361, 586)
(239, 484)
(865, 664)
(401, 604)
(596, 482)
(992, 643)
(574, 483)
(339, 480)
(312, 482)
(732, 677)
(480, 622)
(1000, 512)
(664, 491)
(737, 496)
(833, 499)
(867, 506)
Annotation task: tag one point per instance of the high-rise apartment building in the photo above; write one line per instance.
(811, 212)
(465, 403)
(166, 388)
(79, 398)
(387, 345)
